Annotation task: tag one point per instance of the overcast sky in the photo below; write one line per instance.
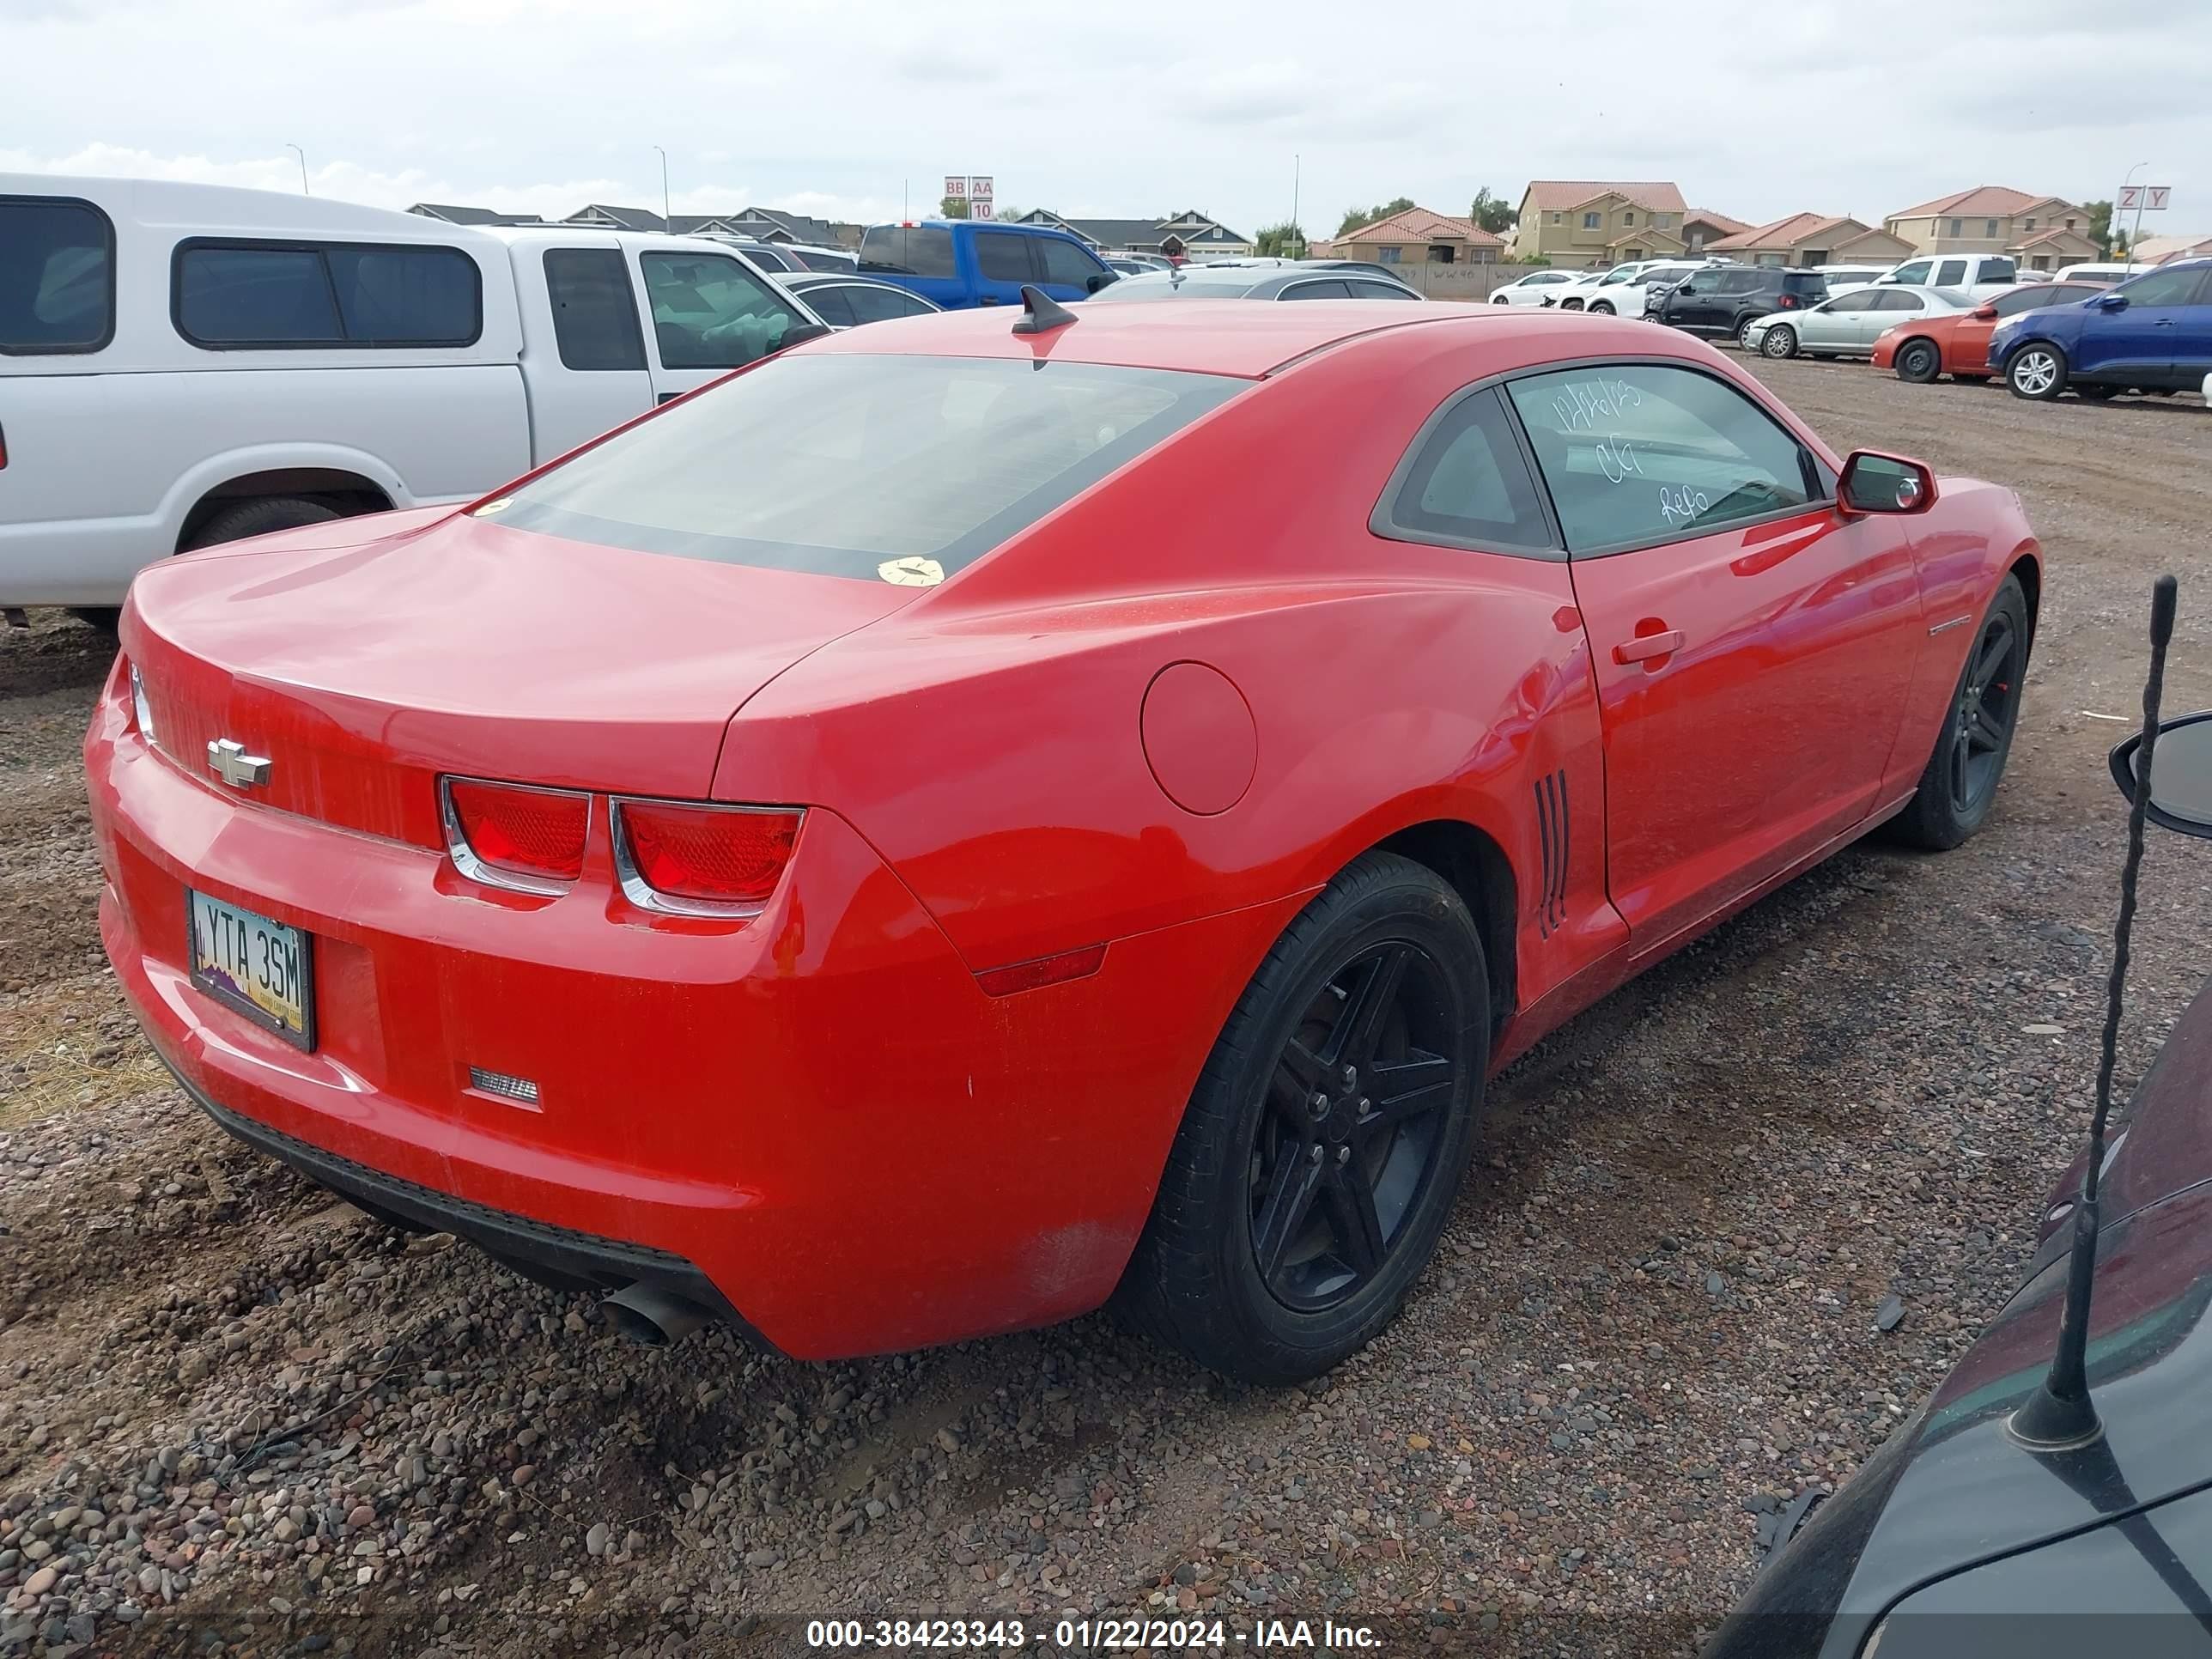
(1118, 107)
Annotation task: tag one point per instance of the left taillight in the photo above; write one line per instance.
(141, 709)
(686, 859)
(516, 835)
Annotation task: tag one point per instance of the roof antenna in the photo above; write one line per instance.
(2059, 1416)
(1041, 313)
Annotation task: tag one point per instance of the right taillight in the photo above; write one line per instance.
(688, 859)
(515, 834)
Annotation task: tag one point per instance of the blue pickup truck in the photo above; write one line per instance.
(959, 263)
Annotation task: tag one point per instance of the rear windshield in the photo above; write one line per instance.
(908, 250)
(884, 468)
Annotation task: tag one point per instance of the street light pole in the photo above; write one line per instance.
(302, 154)
(2124, 182)
(664, 189)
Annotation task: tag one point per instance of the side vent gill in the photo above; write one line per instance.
(1553, 826)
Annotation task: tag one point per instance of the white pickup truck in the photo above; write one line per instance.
(184, 364)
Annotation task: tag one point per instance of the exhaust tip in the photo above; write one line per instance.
(650, 1316)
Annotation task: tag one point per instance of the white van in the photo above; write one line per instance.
(184, 364)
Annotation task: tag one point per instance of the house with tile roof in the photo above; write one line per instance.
(1702, 226)
(1812, 238)
(1192, 235)
(2041, 232)
(1589, 222)
(2159, 250)
(1417, 237)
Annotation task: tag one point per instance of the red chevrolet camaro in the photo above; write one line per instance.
(951, 823)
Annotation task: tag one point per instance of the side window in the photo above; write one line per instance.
(2033, 298)
(833, 303)
(1002, 257)
(878, 305)
(1466, 484)
(57, 275)
(1065, 262)
(908, 250)
(709, 312)
(1949, 273)
(255, 296)
(1637, 454)
(2161, 288)
(297, 295)
(594, 309)
(1326, 288)
(1915, 273)
(1898, 300)
(1378, 291)
(1848, 303)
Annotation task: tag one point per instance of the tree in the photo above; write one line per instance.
(2100, 225)
(1494, 214)
(952, 207)
(1286, 241)
(1355, 217)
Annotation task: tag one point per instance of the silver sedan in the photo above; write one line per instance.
(1847, 325)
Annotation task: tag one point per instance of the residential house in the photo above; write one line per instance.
(602, 217)
(472, 216)
(1414, 237)
(2041, 232)
(1812, 238)
(1584, 222)
(1191, 235)
(2162, 250)
(1702, 226)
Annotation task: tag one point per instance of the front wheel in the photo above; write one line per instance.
(1320, 1152)
(1918, 361)
(1960, 779)
(2037, 372)
(1601, 307)
(1780, 341)
(1743, 333)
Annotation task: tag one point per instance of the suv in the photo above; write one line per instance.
(1728, 299)
(959, 263)
(2154, 333)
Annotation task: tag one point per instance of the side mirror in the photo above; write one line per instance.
(2111, 302)
(1986, 313)
(1101, 279)
(1874, 482)
(799, 333)
(2181, 788)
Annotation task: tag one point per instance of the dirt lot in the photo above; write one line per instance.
(235, 1415)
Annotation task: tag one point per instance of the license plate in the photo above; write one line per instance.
(263, 968)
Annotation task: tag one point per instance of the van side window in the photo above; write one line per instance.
(594, 309)
(57, 275)
(289, 296)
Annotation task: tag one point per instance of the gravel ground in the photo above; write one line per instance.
(236, 1415)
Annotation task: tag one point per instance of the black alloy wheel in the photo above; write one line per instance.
(1348, 1146)
(1988, 705)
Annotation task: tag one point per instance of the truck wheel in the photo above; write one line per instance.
(258, 517)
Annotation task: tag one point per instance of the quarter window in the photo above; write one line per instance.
(710, 311)
(302, 296)
(56, 277)
(1325, 289)
(594, 309)
(1635, 453)
(1467, 484)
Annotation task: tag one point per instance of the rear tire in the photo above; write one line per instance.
(1779, 341)
(1283, 1153)
(1959, 782)
(1918, 361)
(2037, 372)
(258, 517)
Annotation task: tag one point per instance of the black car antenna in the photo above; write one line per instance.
(1041, 313)
(2059, 1416)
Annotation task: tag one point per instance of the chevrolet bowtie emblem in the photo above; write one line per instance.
(229, 762)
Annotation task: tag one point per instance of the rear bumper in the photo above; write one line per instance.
(818, 1112)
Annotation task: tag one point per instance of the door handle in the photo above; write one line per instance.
(1644, 647)
(666, 398)
(2163, 322)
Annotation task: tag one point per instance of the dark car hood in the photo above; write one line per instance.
(1951, 1489)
